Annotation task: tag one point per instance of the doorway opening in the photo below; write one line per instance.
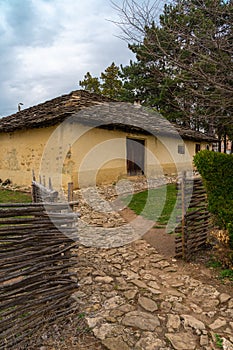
(135, 156)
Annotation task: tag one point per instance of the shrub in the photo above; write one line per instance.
(216, 170)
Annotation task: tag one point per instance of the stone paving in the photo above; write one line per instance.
(101, 223)
(100, 206)
(135, 299)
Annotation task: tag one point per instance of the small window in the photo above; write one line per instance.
(197, 147)
(181, 149)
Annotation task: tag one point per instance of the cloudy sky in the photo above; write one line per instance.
(46, 47)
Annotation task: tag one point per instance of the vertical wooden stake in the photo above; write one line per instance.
(33, 176)
(70, 192)
(50, 184)
(183, 214)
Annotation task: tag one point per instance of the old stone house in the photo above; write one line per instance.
(86, 138)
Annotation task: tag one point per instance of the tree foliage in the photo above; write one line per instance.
(110, 86)
(91, 84)
(216, 169)
(184, 62)
(111, 82)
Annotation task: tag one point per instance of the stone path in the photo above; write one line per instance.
(101, 222)
(100, 206)
(135, 299)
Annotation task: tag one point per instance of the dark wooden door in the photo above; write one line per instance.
(135, 156)
(197, 147)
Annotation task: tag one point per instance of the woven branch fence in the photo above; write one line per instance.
(195, 218)
(41, 193)
(36, 268)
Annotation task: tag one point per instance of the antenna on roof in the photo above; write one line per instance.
(19, 106)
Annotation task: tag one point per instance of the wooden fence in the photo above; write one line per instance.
(41, 193)
(195, 218)
(36, 263)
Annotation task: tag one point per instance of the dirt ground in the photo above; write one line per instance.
(164, 243)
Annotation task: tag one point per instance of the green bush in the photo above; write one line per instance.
(216, 170)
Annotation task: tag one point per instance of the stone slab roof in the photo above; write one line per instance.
(51, 112)
(97, 111)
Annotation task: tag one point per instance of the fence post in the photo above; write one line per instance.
(183, 213)
(33, 176)
(50, 184)
(70, 192)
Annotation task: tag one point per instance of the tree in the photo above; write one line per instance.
(111, 82)
(90, 83)
(111, 85)
(185, 60)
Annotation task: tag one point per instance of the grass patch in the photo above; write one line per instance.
(219, 341)
(214, 264)
(155, 204)
(223, 273)
(8, 196)
(159, 226)
(226, 273)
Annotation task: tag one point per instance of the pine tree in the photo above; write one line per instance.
(90, 83)
(111, 82)
(111, 85)
(184, 64)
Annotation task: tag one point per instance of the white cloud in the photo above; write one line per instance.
(49, 45)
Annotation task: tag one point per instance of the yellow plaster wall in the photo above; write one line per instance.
(103, 156)
(83, 155)
(191, 146)
(21, 152)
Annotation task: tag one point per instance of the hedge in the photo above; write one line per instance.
(216, 170)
